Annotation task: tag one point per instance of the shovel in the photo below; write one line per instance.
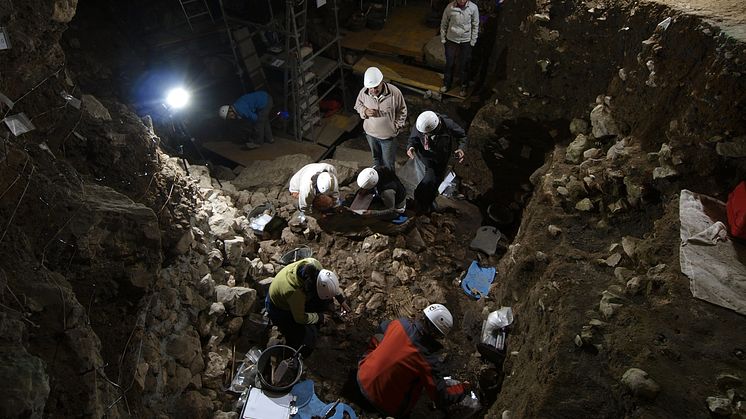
(278, 375)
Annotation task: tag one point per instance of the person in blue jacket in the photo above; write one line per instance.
(253, 107)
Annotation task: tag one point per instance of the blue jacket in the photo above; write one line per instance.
(249, 105)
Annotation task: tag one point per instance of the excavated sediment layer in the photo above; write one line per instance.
(593, 274)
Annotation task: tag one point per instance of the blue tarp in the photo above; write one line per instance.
(310, 405)
(477, 281)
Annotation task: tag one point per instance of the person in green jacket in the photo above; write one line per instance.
(299, 299)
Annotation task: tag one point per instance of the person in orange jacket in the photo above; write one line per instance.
(392, 375)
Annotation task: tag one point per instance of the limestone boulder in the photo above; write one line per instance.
(435, 53)
(238, 301)
(25, 385)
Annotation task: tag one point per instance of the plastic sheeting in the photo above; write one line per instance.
(712, 261)
(476, 283)
(310, 405)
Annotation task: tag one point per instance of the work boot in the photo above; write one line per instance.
(251, 146)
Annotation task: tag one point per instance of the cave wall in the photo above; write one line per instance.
(676, 97)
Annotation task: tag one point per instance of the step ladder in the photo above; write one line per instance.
(194, 9)
(245, 52)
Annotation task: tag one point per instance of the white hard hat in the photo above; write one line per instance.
(368, 178)
(327, 284)
(427, 122)
(324, 182)
(373, 77)
(440, 317)
(223, 111)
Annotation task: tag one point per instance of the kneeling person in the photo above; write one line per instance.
(392, 375)
(300, 299)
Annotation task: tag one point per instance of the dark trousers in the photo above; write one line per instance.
(263, 128)
(296, 334)
(457, 54)
(427, 189)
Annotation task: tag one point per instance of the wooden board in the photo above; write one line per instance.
(331, 128)
(403, 73)
(405, 33)
(281, 147)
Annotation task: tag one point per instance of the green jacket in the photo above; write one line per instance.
(286, 292)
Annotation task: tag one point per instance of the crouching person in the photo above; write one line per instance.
(390, 196)
(392, 375)
(300, 300)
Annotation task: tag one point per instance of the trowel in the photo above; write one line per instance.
(282, 368)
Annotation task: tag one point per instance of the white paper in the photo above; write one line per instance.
(446, 182)
(260, 222)
(19, 124)
(261, 406)
(4, 42)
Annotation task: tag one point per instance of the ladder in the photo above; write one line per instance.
(194, 9)
(305, 69)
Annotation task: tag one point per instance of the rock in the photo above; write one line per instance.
(414, 240)
(634, 190)
(613, 260)
(664, 172)
(63, 11)
(734, 148)
(404, 255)
(375, 243)
(610, 302)
(268, 173)
(289, 237)
(633, 286)
(194, 405)
(224, 415)
(185, 242)
(720, 406)
(578, 126)
(576, 189)
(217, 309)
(94, 108)
(234, 249)
(375, 302)
(553, 230)
(584, 205)
(434, 53)
(234, 325)
(574, 151)
(223, 226)
(24, 388)
(214, 259)
(621, 274)
(602, 122)
(506, 415)
(639, 384)
(206, 287)
(592, 153)
(313, 230)
(185, 349)
(238, 301)
(116, 238)
(618, 206)
(727, 381)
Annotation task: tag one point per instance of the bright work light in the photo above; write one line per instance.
(177, 98)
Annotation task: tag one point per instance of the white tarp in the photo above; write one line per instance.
(712, 261)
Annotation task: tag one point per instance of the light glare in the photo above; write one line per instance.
(177, 98)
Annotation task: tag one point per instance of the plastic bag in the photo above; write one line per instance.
(246, 374)
(467, 407)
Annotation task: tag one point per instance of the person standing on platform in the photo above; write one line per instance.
(383, 110)
(459, 29)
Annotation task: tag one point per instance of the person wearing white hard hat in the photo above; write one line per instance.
(432, 142)
(459, 29)
(300, 300)
(389, 194)
(405, 361)
(382, 107)
(253, 108)
(312, 181)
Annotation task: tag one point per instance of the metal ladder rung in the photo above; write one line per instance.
(190, 17)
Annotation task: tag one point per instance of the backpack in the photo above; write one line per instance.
(736, 208)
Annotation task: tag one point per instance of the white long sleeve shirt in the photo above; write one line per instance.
(460, 25)
(304, 182)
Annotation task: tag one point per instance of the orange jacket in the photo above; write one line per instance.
(393, 374)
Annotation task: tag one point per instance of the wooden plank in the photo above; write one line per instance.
(405, 33)
(402, 73)
(408, 75)
(281, 147)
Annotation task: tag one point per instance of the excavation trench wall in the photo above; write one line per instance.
(677, 92)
